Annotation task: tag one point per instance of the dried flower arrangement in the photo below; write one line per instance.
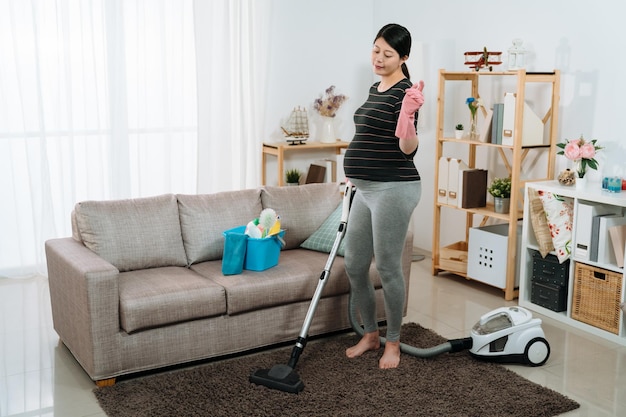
(328, 104)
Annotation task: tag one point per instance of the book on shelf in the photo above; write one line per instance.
(496, 123)
(317, 173)
(454, 167)
(472, 188)
(618, 240)
(595, 233)
(605, 246)
(442, 178)
(485, 128)
(583, 227)
(341, 176)
(322, 170)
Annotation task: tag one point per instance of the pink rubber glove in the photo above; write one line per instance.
(411, 103)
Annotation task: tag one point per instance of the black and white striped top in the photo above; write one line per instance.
(374, 153)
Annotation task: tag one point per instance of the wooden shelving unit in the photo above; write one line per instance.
(512, 156)
(281, 149)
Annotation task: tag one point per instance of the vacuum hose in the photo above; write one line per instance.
(454, 345)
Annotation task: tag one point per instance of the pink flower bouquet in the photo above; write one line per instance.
(582, 152)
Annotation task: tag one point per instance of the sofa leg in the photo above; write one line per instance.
(105, 382)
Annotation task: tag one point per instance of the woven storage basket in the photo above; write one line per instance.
(596, 299)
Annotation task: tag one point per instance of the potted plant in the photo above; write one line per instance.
(500, 189)
(293, 177)
(458, 131)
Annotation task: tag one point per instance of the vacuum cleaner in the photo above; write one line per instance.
(507, 334)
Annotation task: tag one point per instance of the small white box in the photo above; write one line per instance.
(487, 254)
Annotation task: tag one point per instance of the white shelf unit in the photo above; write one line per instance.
(591, 194)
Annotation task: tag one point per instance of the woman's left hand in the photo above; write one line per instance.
(405, 129)
(413, 98)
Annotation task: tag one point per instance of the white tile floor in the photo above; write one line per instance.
(38, 376)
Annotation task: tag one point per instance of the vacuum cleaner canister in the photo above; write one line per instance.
(510, 335)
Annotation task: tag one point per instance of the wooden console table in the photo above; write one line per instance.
(279, 149)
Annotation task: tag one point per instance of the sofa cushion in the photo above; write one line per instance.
(159, 296)
(294, 279)
(323, 239)
(302, 209)
(203, 218)
(133, 234)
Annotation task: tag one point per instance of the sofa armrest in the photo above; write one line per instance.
(85, 305)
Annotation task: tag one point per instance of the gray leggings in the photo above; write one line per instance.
(377, 226)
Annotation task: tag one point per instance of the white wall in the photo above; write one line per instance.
(316, 44)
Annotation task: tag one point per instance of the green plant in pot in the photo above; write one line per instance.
(500, 189)
(293, 176)
(459, 131)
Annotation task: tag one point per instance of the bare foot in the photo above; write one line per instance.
(369, 341)
(391, 356)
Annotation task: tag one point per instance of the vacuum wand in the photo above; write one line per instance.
(283, 377)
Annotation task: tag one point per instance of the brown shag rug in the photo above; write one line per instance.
(452, 384)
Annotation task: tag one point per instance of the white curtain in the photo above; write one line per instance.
(231, 91)
(103, 99)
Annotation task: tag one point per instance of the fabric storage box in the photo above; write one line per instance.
(487, 254)
(549, 281)
(261, 254)
(596, 297)
(548, 270)
(453, 257)
(550, 296)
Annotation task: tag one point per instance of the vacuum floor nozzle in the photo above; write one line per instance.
(280, 377)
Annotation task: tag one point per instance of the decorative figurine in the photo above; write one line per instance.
(567, 177)
(516, 55)
(484, 59)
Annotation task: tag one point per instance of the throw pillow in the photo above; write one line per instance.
(203, 218)
(322, 239)
(302, 209)
(559, 216)
(540, 223)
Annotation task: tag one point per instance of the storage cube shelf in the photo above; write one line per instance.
(579, 292)
(487, 254)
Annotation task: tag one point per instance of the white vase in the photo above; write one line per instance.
(327, 130)
(473, 133)
(581, 183)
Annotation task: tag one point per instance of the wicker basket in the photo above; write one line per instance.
(597, 295)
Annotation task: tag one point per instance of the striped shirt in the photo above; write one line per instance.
(374, 153)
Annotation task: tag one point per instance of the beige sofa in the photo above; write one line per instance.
(139, 284)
